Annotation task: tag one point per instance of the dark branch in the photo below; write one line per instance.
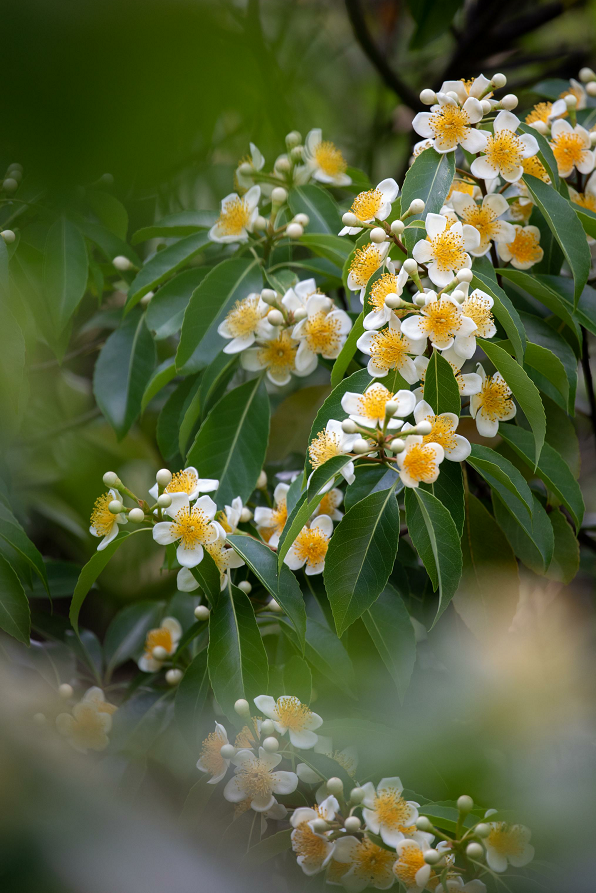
(588, 378)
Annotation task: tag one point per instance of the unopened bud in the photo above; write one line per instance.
(10, 185)
(593, 137)
(174, 676)
(260, 223)
(271, 744)
(509, 102)
(349, 426)
(465, 803)
(8, 236)
(357, 795)
(482, 830)
(423, 823)
(163, 477)
(300, 314)
(361, 446)
(164, 501)
(352, 824)
(397, 227)
(279, 195)
(275, 606)
(350, 219)
(391, 408)
(269, 296)
(393, 301)
(428, 97)
(378, 234)
(275, 317)
(201, 612)
(486, 106)
(245, 168)
(146, 299)
(410, 266)
(540, 127)
(242, 707)
(475, 851)
(65, 691)
(458, 296)
(122, 263)
(499, 80)
(570, 101)
(297, 154)
(267, 727)
(424, 427)
(335, 786)
(228, 751)
(432, 857)
(136, 515)
(282, 164)
(245, 515)
(294, 230)
(302, 219)
(464, 275)
(262, 481)
(591, 88)
(320, 826)
(245, 586)
(115, 507)
(586, 74)
(397, 445)
(15, 166)
(293, 138)
(419, 299)
(416, 206)
(111, 479)
(159, 653)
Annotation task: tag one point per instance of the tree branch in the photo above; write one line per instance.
(588, 378)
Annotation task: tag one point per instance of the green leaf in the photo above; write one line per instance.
(191, 699)
(168, 422)
(370, 479)
(325, 653)
(122, 372)
(64, 271)
(109, 211)
(531, 540)
(566, 228)
(167, 306)
(429, 178)
(12, 533)
(544, 361)
(555, 292)
(449, 489)
(523, 388)
(228, 282)
(432, 19)
(208, 577)
(547, 335)
(126, 634)
(332, 408)
(565, 561)
(162, 376)
(335, 248)
(360, 557)
(346, 355)
(551, 469)
(232, 441)
(545, 153)
(298, 679)
(237, 658)
(14, 388)
(323, 213)
(183, 223)
(15, 617)
(389, 626)
(435, 537)
(441, 390)
(164, 264)
(587, 219)
(214, 380)
(268, 848)
(107, 241)
(503, 310)
(284, 588)
(488, 592)
(501, 474)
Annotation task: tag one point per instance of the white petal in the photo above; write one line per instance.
(482, 167)
(162, 533)
(422, 126)
(506, 121)
(435, 225)
(475, 141)
(189, 557)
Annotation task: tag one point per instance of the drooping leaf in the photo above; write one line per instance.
(323, 213)
(429, 178)
(389, 626)
(441, 390)
(64, 272)
(501, 474)
(565, 561)
(531, 540)
(191, 698)
(15, 617)
(164, 264)
(503, 310)
(166, 308)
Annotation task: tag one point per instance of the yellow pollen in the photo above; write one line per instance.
(384, 285)
(371, 404)
(535, 167)
(521, 212)
(241, 808)
(450, 125)
(420, 462)
(585, 200)
(366, 205)
(210, 752)
(373, 862)
(254, 778)
(484, 219)
(328, 503)
(292, 713)
(504, 150)
(443, 432)
(568, 149)
(495, 398)
(219, 555)
(182, 482)
(161, 637)
(321, 333)
(330, 159)
(461, 186)
(572, 91)
(280, 353)
(101, 517)
(389, 349)
(410, 862)
(365, 262)
(392, 810)
(336, 870)
(309, 845)
(244, 317)
(191, 527)
(425, 144)
(477, 308)
(442, 318)
(246, 735)
(508, 840)
(540, 112)
(311, 546)
(346, 762)
(448, 251)
(525, 248)
(234, 217)
(323, 447)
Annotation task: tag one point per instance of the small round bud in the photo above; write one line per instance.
(486, 106)
(464, 275)
(111, 479)
(15, 166)
(271, 744)
(10, 185)
(423, 427)
(540, 127)
(593, 137)
(352, 824)
(356, 795)
(146, 299)
(136, 515)
(115, 507)
(65, 691)
(275, 317)
(294, 230)
(397, 227)
(393, 301)
(391, 408)
(164, 501)
(349, 426)
(279, 194)
(228, 751)
(282, 164)
(159, 653)
(302, 219)
(245, 168)
(245, 515)
(335, 786)
(397, 445)
(242, 707)
(245, 586)
(475, 851)
(499, 80)
(293, 138)
(275, 606)
(163, 477)
(268, 296)
(465, 804)
(378, 234)
(260, 223)
(202, 612)
(410, 266)
(262, 481)
(570, 101)
(591, 88)
(428, 97)
(106, 180)
(361, 446)
(350, 219)
(122, 263)
(453, 95)
(300, 314)
(423, 823)
(8, 236)
(297, 153)
(482, 830)
(174, 676)
(40, 719)
(586, 74)
(432, 857)
(267, 727)
(320, 826)
(458, 295)
(509, 102)
(420, 300)
(416, 206)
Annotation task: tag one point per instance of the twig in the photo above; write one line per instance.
(588, 377)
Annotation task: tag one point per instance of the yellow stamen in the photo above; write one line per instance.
(330, 159)
(311, 546)
(365, 262)
(392, 810)
(254, 778)
(540, 112)
(192, 527)
(323, 447)
(373, 862)
(568, 149)
(309, 845)
(279, 353)
(442, 432)
(371, 405)
(244, 317)
(484, 219)
(448, 251)
(292, 713)
(507, 840)
(442, 318)
(461, 186)
(182, 482)
(210, 752)
(495, 398)
(389, 349)
(450, 125)
(420, 462)
(504, 150)
(101, 517)
(535, 167)
(161, 637)
(328, 503)
(410, 862)
(585, 200)
(525, 248)
(383, 286)
(478, 309)
(322, 333)
(234, 217)
(366, 205)
(520, 212)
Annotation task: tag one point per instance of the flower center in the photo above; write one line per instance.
(392, 810)
(540, 112)
(220, 555)
(366, 205)
(365, 262)
(385, 285)
(328, 503)
(521, 212)
(372, 404)
(442, 319)
(161, 637)
(191, 527)
(280, 353)
(508, 840)
(245, 737)
(330, 159)
(420, 462)
(410, 862)
(309, 845)
(484, 219)
(182, 482)
(461, 186)
(495, 398)
(504, 150)
(324, 446)
(210, 752)
(244, 317)
(525, 248)
(448, 251)
(443, 432)
(234, 217)
(389, 348)
(449, 124)
(568, 149)
(254, 778)
(101, 517)
(477, 308)
(372, 861)
(88, 725)
(585, 200)
(311, 546)
(322, 333)
(291, 713)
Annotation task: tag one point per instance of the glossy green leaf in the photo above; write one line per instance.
(208, 577)
(64, 271)
(126, 634)
(441, 390)
(550, 367)
(182, 223)
(162, 376)
(323, 213)
(214, 380)
(547, 335)
(297, 679)
(15, 617)
(565, 561)
(370, 479)
(107, 241)
(390, 627)
(545, 153)
(109, 211)
(325, 653)
(164, 264)
(449, 489)
(500, 474)
(429, 178)
(191, 699)
(165, 312)
(13, 534)
(587, 219)
(531, 540)
(168, 422)
(348, 351)
(333, 247)
(553, 291)
(503, 310)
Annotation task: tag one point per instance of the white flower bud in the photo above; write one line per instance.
(245, 586)
(378, 234)
(260, 223)
(293, 138)
(423, 427)
(136, 515)
(350, 219)
(275, 317)
(586, 74)
(320, 826)
(111, 479)
(8, 236)
(146, 299)
(352, 824)
(122, 263)
(458, 296)
(268, 296)
(163, 477)
(465, 804)
(423, 823)
(245, 515)
(297, 153)
(591, 88)
(65, 691)
(431, 857)
(391, 408)
(397, 445)
(482, 830)
(279, 194)
(267, 727)
(300, 314)
(40, 719)
(397, 227)
(271, 744)
(202, 612)
(509, 102)
(419, 299)
(115, 507)
(499, 80)
(159, 653)
(540, 127)
(593, 137)
(570, 101)
(164, 501)
(174, 676)
(453, 95)
(361, 446)
(486, 106)
(275, 606)
(15, 166)
(10, 185)
(242, 707)
(294, 230)
(464, 275)
(475, 851)
(335, 786)
(356, 795)
(245, 168)
(282, 164)
(349, 426)
(302, 219)
(428, 97)
(410, 266)
(416, 206)
(393, 301)
(228, 751)
(262, 481)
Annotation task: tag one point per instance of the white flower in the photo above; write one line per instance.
(505, 150)
(444, 250)
(391, 348)
(524, 250)
(419, 462)
(387, 284)
(366, 261)
(385, 811)
(290, 715)
(310, 546)
(296, 297)
(477, 87)
(192, 527)
(333, 441)
(456, 885)
(444, 322)
(492, 404)
(411, 869)
(225, 559)
(88, 725)
(313, 850)
(477, 307)
(271, 521)
(256, 781)
(369, 864)
(211, 760)
(468, 382)
(231, 516)
(368, 409)
(185, 580)
(374, 204)
(508, 844)
(324, 160)
(323, 331)
(449, 125)
(245, 323)
(167, 637)
(189, 482)
(571, 148)
(444, 426)
(237, 217)
(103, 522)
(559, 106)
(256, 161)
(484, 218)
(329, 504)
(278, 357)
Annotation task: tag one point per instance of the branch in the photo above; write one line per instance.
(588, 378)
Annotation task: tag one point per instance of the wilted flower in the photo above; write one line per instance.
(256, 161)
